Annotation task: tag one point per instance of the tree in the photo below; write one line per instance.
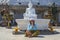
(54, 11)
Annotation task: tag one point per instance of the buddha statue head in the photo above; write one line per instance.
(30, 5)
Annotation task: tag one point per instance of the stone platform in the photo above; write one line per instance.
(6, 34)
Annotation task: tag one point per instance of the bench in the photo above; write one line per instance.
(42, 23)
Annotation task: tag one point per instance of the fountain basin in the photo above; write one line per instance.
(42, 23)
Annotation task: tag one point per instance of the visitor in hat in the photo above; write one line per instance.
(32, 29)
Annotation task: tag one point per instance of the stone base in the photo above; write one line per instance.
(42, 24)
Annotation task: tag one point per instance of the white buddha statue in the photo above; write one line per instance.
(30, 12)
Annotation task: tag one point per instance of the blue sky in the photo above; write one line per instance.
(42, 2)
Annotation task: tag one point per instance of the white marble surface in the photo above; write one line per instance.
(42, 24)
(30, 12)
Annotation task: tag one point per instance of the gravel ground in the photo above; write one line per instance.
(6, 34)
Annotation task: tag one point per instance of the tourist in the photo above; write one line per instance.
(32, 30)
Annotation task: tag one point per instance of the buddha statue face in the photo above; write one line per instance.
(30, 5)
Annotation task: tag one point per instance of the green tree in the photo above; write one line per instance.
(54, 11)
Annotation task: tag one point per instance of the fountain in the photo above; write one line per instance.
(30, 12)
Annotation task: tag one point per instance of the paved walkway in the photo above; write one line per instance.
(6, 34)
